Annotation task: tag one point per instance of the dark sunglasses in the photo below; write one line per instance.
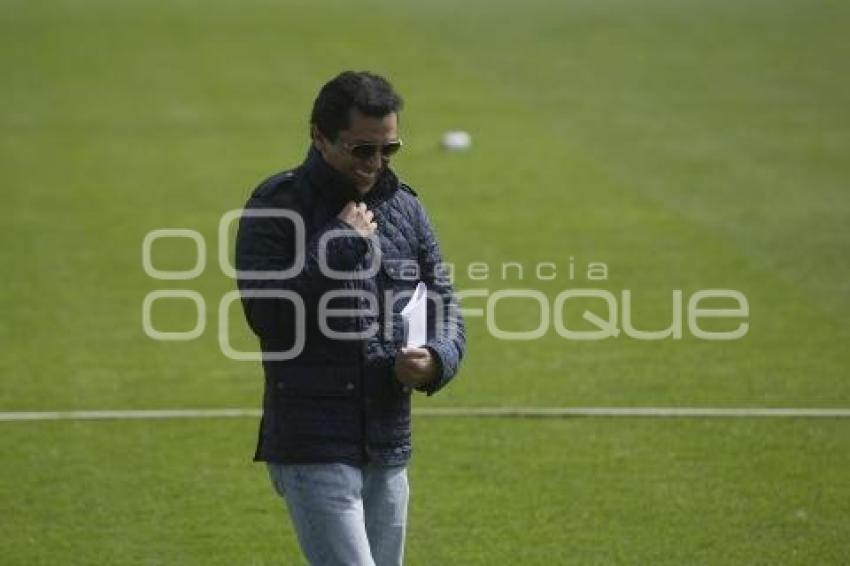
(367, 150)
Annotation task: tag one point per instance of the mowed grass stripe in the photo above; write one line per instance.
(502, 491)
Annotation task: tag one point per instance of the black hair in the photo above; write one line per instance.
(371, 94)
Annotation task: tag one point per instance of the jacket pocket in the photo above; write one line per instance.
(401, 271)
(314, 403)
(313, 381)
(399, 283)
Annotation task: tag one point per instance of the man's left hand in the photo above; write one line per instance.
(416, 367)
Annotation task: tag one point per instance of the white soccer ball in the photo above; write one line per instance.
(456, 140)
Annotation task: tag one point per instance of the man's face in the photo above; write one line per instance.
(363, 172)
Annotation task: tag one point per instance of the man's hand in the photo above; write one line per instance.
(415, 367)
(358, 217)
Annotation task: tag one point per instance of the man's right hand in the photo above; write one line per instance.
(358, 217)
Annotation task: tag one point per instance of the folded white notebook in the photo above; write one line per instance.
(415, 317)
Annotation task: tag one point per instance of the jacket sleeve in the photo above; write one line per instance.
(265, 244)
(446, 333)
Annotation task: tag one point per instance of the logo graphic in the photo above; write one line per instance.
(611, 317)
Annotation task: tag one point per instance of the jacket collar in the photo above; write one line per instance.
(336, 189)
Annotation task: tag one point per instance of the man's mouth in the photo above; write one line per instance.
(365, 175)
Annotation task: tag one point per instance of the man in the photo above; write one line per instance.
(355, 241)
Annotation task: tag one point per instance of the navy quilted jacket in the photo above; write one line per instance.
(328, 397)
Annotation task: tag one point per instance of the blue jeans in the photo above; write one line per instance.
(344, 514)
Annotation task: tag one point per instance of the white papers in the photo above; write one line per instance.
(415, 317)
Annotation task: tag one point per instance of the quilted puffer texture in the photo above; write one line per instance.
(330, 392)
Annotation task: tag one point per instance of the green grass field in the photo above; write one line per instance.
(687, 145)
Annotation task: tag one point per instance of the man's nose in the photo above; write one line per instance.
(375, 159)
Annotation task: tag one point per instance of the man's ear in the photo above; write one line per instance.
(319, 140)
